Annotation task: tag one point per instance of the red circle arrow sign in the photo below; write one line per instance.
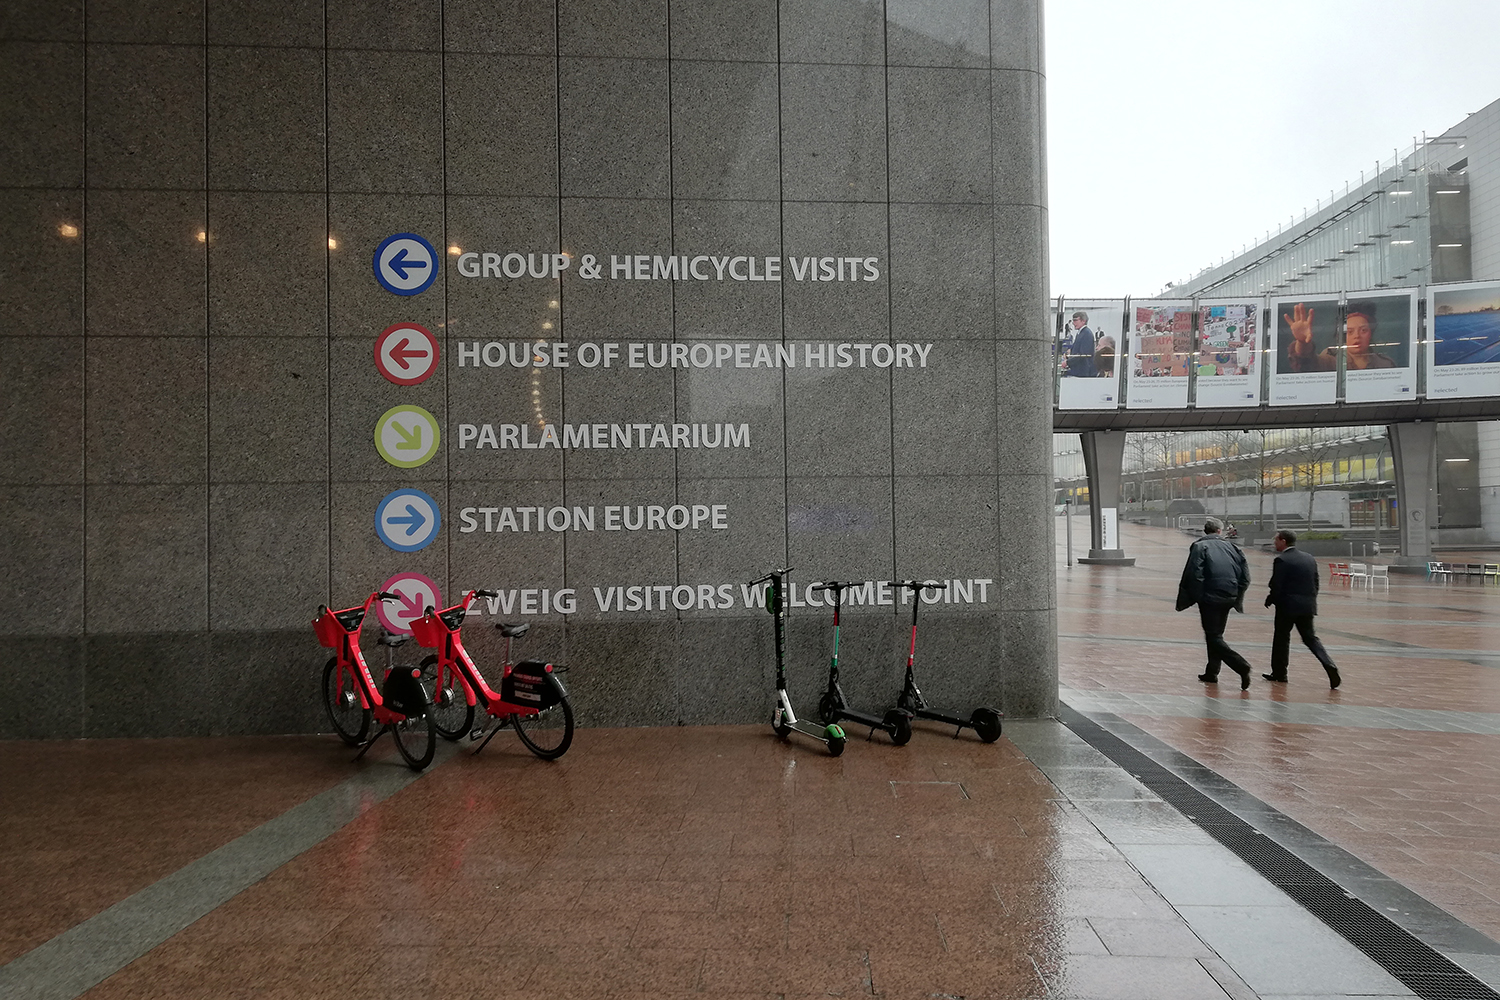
(406, 353)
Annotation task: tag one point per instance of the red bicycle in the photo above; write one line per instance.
(531, 698)
(351, 698)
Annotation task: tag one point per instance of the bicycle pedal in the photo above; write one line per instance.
(477, 734)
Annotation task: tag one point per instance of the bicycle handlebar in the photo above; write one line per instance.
(386, 595)
(486, 593)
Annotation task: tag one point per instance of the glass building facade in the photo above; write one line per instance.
(1426, 215)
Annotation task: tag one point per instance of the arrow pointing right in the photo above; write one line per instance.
(411, 440)
(414, 518)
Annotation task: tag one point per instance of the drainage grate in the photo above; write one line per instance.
(1420, 968)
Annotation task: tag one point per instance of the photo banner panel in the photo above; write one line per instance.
(1088, 349)
(1304, 351)
(1463, 340)
(1161, 349)
(1229, 352)
(1380, 329)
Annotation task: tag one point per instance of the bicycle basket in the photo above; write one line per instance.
(332, 626)
(430, 630)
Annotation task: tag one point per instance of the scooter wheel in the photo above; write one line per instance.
(986, 723)
(898, 724)
(828, 709)
(835, 744)
(781, 728)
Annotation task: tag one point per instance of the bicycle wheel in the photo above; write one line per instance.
(349, 718)
(416, 739)
(452, 715)
(549, 733)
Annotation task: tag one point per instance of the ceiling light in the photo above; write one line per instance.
(1447, 192)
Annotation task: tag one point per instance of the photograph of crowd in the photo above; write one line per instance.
(1226, 339)
(1161, 341)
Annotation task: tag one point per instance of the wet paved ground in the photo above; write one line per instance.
(722, 862)
(1400, 765)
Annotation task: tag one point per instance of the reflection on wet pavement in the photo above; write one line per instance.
(1400, 766)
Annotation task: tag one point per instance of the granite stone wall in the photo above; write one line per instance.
(194, 198)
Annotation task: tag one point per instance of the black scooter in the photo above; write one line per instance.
(984, 721)
(783, 720)
(833, 706)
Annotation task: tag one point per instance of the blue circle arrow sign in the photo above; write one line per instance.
(405, 264)
(407, 520)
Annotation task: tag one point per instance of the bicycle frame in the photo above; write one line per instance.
(455, 663)
(351, 659)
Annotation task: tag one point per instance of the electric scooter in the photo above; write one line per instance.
(833, 706)
(783, 720)
(984, 721)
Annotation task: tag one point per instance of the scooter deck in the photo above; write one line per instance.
(935, 715)
(862, 719)
(819, 733)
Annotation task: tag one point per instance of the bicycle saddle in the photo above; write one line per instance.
(513, 631)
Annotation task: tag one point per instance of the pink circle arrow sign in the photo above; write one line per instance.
(406, 353)
(415, 593)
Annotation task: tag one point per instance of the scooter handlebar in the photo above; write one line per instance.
(919, 585)
(768, 576)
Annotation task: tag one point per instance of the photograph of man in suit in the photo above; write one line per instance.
(1294, 594)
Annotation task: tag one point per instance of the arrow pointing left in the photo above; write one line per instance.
(401, 265)
(401, 353)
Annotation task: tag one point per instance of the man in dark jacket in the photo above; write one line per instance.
(1294, 592)
(1216, 578)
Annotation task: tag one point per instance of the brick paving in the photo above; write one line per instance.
(1422, 807)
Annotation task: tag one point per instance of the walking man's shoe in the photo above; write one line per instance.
(1244, 677)
(1209, 678)
(1278, 678)
(1333, 678)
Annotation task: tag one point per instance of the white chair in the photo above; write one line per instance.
(1379, 574)
(1358, 574)
(1437, 569)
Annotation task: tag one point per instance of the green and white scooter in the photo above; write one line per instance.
(783, 720)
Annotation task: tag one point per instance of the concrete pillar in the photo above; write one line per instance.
(1489, 479)
(1103, 459)
(1414, 448)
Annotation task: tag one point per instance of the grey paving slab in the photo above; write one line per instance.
(1284, 950)
(1201, 875)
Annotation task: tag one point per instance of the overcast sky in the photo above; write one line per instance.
(1178, 131)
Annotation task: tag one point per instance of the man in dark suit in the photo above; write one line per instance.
(1294, 592)
(1215, 578)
